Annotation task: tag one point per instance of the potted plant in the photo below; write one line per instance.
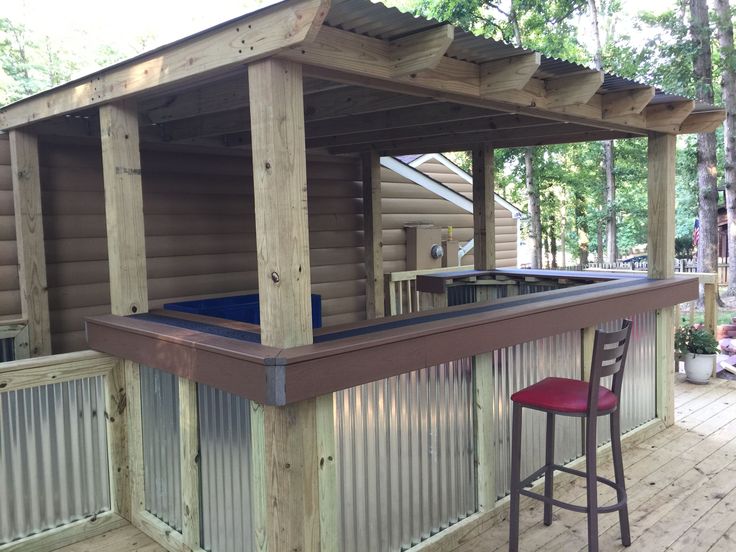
(698, 348)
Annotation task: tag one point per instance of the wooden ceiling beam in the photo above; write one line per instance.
(703, 121)
(588, 135)
(420, 51)
(224, 95)
(238, 42)
(341, 102)
(627, 102)
(667, 117)
(508, 74)
(542, 129)
(503, 122)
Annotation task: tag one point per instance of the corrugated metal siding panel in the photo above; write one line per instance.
(520, 366)
(638, 394)
(225, 456)
(53, 456)
(161, 457)
(405, 457)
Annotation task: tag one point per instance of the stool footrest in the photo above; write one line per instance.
(566, 505)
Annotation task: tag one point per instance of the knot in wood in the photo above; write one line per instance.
(275, 277)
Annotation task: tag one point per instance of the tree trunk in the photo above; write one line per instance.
(608, 158)
(728, 87)
(599, 239)
(706, 147)
(553, 243)
(608, 162)
(535, 212)
(582, 227)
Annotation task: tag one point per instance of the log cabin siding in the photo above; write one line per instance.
(405, 202)
(199, 226)
(9, 295)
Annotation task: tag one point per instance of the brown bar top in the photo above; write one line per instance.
(228, 355)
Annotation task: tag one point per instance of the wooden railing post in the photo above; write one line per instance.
(661, 251)
(710, 304)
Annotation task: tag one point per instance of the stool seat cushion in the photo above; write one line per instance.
(563, 395)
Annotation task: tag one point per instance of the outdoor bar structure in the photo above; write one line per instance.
(257, 144)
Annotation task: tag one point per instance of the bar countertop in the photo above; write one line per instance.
(229, 355)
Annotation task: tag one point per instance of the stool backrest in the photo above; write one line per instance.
(609, 359)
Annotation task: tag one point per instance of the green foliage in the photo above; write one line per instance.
(689, 339)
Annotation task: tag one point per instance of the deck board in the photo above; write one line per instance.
(681, 484)
(125, 539)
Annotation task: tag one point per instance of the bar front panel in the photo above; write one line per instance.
(405, 453)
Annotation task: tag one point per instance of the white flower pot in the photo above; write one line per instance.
(698, 368)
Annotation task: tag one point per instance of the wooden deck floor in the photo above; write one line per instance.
(681, 485)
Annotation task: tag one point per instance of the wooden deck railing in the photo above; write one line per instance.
(402, 296)
(14, 340)
(55, 414)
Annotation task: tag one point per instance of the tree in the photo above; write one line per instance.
(706, 142)
(724, 26)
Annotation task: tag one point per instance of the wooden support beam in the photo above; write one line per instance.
(26, 176)
(573, 89)
(420, 51)
(667, 117)
(661, 250)
(373, 235)
(286, 476)
(508, 74)
(703, 121)
(627, 102)
(484, 211)
(235, 43)
(121, 168)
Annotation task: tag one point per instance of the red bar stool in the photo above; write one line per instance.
(568, 397)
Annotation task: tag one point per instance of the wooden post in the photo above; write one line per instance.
(661, 251)
(484, 208)
(292, 496)
(484, 230)
(121, 167)
(710, 305)
(485, 421)
(373, 235)
(29, 239)
(189, 456)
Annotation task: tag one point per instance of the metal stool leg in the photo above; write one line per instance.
(618, 470)
(549, 473)
(591, 483)
(515, 479)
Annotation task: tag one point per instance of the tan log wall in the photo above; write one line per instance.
(404, 202)
(9, 295)
(200, 231)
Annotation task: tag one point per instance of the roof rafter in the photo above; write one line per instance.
(420, 51)
(507, 74)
